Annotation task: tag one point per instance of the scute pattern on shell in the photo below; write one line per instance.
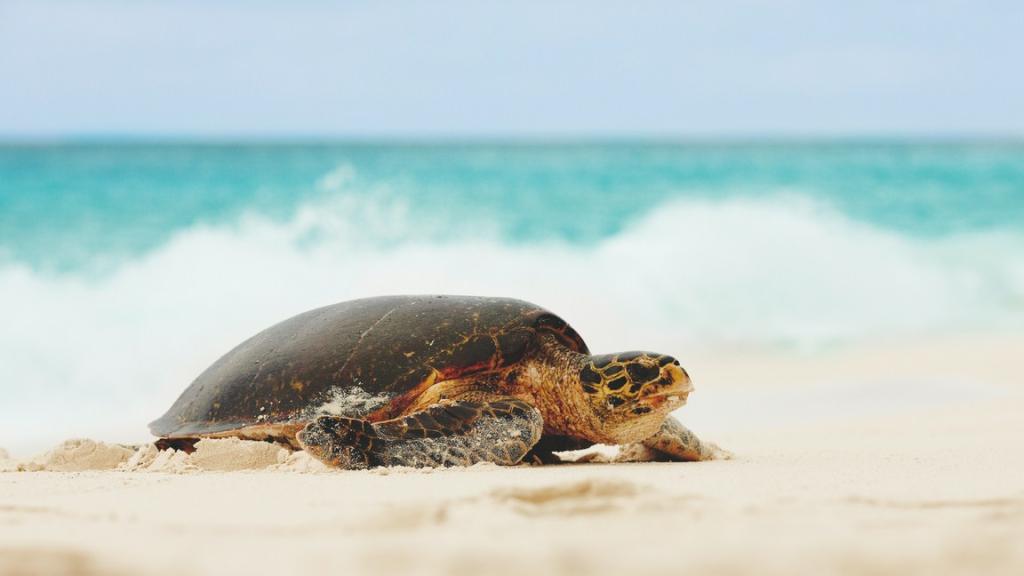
(390, 347)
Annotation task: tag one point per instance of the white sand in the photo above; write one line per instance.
(934, 486)
(77, 455)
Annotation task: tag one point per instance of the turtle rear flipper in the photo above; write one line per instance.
(444, 434)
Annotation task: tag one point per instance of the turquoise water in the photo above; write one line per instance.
(69, 208)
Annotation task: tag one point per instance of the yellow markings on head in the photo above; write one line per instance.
(298, 385)
(619, 379)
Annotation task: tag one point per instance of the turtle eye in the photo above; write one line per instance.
(614, 401)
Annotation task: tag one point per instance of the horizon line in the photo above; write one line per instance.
(8, 140)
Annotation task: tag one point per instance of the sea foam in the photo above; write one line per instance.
(102, 356)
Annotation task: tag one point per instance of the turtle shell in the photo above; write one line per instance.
(374, 355)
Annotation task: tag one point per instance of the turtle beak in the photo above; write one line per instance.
(679, 378)
(672, 389)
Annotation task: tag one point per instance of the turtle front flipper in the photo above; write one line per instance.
(675, 442)
(444, 434)
(341, 442)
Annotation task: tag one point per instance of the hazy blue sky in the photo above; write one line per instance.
(479, 68)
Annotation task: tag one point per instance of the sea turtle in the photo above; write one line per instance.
(434, 381)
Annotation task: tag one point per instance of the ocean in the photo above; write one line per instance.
(125, 269)
(77, 208)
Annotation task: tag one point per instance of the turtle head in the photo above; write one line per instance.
(631, 393)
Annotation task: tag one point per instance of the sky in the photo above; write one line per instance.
(557, 68)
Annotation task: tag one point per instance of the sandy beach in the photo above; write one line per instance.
(459, 232)
(912, 483)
